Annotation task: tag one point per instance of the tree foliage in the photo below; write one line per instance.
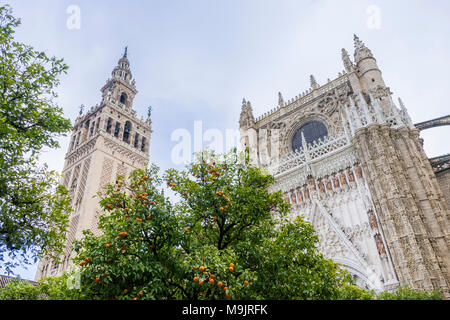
(32, 204)
(227, 237)
(51, 288)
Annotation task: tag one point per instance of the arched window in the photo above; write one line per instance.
(117, 129)
(143, 144)
(123, 98)
(109, 125)
(136, 140)
(126, 132)
(312, 131)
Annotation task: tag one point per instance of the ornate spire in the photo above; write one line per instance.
(149, 112)
(122, 70)
(361, 51)
(246, 119)
(357, 42)
(348, 64)
(314, 83)
(280, 100)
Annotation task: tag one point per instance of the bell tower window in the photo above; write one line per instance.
(136, 140)
(124, 98)
(117, 129)
(143, 144)
(109, 125)
(126, 132)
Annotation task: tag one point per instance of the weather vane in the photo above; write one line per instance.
(149, 111)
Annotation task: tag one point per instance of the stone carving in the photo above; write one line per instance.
(380, 245)
(372, 219)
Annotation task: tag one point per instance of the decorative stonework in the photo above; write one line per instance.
(368, 187)
(109, 139)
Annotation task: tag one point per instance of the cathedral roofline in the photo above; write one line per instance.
(307, 96)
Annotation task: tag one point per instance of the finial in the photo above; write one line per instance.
(400, 102)
(358, 43)
(149, 112)
(348, 64)
(244, 103)
(314, 83)
(125, 53)
(81, 109)
(361, 51)
(280, 100)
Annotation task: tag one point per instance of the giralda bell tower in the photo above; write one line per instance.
(108, 140)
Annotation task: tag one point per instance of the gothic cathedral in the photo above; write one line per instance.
(352, 162)
(107, 141)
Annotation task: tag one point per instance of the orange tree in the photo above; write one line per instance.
(226, 237)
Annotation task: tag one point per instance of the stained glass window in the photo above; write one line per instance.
(312, 131)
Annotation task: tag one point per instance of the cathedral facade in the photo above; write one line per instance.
(108, 140)
(350, 160)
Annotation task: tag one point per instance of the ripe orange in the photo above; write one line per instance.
(246, 282)
(108, 245)
(127, 209)
(215, 218)
(82, 263)
(228, 295)
(109, 206)
(123, 234)
(134, 298)
(211, 281)
(202, 268)
(195, 279)
(117, 199)
(225, 288)
(201, 282)
(125, 291)
(231, 269)
(226, 207)
(219, 284)
(186, 230)
(221, 208)
(96, 280)
(232, 265)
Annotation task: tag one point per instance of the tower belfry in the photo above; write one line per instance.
(107, 140)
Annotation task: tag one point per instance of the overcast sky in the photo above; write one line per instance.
(196, 60)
